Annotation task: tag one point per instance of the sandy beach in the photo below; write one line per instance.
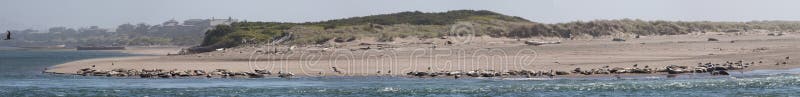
(479, 53)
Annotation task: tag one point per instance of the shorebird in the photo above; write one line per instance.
(336, 70)
(8, 35)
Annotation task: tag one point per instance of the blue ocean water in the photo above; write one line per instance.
(20, 75)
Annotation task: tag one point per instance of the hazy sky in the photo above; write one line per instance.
(21, 14)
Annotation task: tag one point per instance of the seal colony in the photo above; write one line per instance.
(711, 68)
(411, 57)
(160, 73)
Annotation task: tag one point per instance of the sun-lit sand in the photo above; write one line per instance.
(485, 53)
(152, 50)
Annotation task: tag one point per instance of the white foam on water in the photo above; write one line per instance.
(527, 79)
(388, 89)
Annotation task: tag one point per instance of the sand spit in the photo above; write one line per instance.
(501, 56)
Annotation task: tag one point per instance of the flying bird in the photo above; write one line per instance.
(8, 35)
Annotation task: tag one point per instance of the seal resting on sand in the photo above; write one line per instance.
(285, 75)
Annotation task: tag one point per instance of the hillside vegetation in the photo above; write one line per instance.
(638, 27)
(386, 27)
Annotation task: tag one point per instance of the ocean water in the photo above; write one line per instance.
(20, 75)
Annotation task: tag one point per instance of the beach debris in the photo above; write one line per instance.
(775, 34)
(713, 39)
(365, 48)
(537, 43)
(618, 39)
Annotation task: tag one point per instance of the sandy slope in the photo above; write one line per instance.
(152, 50)
(480, 53)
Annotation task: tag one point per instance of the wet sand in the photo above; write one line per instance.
(482, 53)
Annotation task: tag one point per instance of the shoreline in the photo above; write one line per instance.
(133, 50)
(734, 73)
(143, 50)
(652, 51)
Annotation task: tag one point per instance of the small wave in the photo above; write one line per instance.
(388, 89)
(775, 72)
(528, 79)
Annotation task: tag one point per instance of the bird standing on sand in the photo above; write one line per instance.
(336, 70)
(8, 35)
